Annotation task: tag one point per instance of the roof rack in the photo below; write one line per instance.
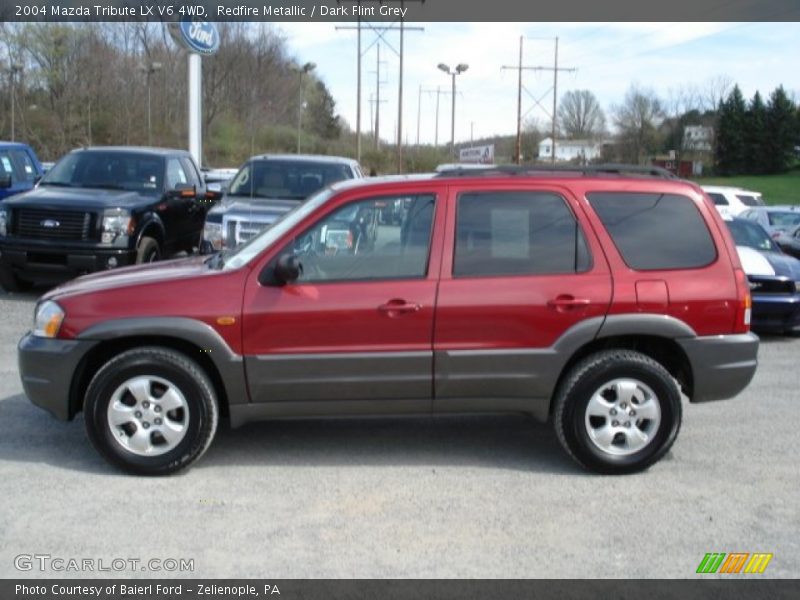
(587, 171)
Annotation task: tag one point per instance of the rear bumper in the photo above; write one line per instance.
(34, 262)
(47, 367)
(776, 312)
(723, 365)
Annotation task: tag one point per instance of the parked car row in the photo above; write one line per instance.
(108, 207)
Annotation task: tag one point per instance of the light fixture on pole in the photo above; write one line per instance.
(306, 68)
(460, 68)
(13, 69)
(149, 69)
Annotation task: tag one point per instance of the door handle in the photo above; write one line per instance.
(397, 307)
(567, 302)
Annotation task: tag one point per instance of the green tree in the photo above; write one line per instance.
(730, 149)
(322, 118)
(781, 132)
(756, 135)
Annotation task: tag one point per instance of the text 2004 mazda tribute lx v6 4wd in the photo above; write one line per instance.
(591, 298)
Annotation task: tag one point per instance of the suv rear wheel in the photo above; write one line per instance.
(151, 411)
(617, 411)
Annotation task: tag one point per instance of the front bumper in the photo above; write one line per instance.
(775, 312)
(723, 365)
(54, 262)
(47, 368)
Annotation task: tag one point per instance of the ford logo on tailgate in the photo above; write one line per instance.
(50, 223)
(196, 36)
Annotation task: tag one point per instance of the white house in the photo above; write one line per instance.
(568, 150)
(698, 138)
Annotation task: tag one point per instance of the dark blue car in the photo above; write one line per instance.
(774, 278)
(20, 168)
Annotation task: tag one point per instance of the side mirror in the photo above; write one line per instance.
(214, 192)
(5, 180)
(206, 247)
(184, 190)
(287, 269)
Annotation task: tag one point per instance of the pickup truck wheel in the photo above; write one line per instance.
(11, 282)
(617, 411)
(151, 411)
(148, 251)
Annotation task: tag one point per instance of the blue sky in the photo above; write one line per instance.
(608, 58)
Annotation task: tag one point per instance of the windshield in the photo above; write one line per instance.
(751, 235)
(255, 246)
(748, 200)
(108, 170)
(292, 179)
(784, 219)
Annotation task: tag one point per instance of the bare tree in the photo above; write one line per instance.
(715, 91)
(637, 120)
(580, 115)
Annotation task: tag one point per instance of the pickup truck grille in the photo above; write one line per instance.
(237, 232)
(49, 224)
(771, 285)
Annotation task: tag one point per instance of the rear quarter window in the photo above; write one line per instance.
(655, 231)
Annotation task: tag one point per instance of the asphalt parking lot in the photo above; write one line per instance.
(458, 497)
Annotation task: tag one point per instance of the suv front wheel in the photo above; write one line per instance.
(617, 411)
(147, 251)
(151, 411)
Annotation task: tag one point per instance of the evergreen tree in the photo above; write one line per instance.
(781, 132)
(756, 135)
(730, 149)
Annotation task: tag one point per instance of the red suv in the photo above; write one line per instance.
(592, 297)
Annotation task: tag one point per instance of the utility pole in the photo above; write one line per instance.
(378, 100)
(14, 68)
(555, 69)
(519, 106)
(380, 34)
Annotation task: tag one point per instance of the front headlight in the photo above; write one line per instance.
(47, 319)
(116, 224)
(212, 232)
(3, 222)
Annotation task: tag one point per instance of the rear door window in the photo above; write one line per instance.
(718, 199)
(517, 233)
(655, 231)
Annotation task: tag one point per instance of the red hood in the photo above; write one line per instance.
(172, 270)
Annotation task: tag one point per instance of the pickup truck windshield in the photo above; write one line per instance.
(289, 179)
(142, 173)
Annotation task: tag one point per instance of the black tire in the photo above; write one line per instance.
(179, 371)
(572, 422)
(148, 251)
(10, 282)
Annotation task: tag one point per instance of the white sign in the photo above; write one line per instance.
(477, 154)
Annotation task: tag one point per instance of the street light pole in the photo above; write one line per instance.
(13, 70)
(148, 70)
(460, 68)
(309, 66)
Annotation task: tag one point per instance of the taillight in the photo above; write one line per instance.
(744, 301)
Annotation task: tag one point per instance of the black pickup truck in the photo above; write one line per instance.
(101, 208)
